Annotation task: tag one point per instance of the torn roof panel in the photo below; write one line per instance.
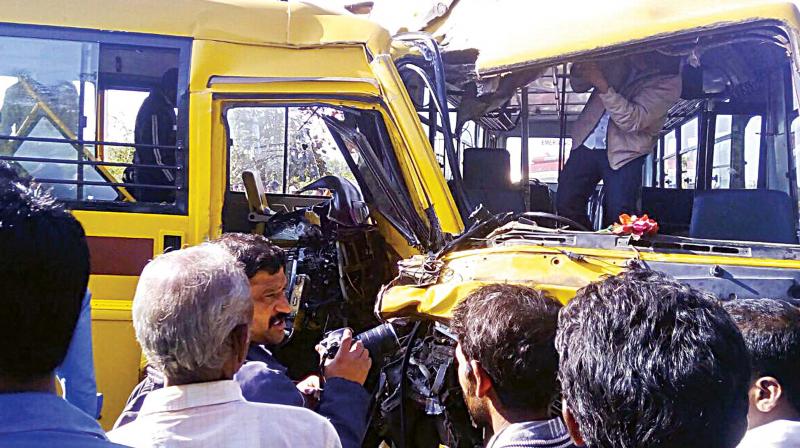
(510, 34)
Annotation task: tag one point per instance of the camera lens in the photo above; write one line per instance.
(379, 340)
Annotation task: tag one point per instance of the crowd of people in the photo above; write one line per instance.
(634, 360)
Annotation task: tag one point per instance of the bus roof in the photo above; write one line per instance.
(510, 33)
(291, 24)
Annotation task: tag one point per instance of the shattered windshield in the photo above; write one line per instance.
(363, 140)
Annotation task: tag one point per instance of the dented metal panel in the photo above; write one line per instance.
(510, 34)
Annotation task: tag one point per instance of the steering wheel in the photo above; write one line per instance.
(561, 219)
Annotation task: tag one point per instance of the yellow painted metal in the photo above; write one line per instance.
(259, 22)
(419, 157)
(511, 33)
(231, 60)
(556, 270)
(248, 48)
(117, 358)
(112, 288)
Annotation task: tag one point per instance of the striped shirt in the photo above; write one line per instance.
(539, 433)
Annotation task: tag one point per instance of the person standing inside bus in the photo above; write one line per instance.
(615, 132)
(155, 136)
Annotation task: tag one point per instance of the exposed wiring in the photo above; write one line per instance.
(403, 370)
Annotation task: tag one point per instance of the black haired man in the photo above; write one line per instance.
(507, 364)
(44, 270)
(646, 361)
(771, 330)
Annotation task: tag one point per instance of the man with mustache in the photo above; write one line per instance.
(263, 378)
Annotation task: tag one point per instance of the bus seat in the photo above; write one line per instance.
(541, 197)
(487, 180)
(256, 200)
(670, 207)
(743, 215)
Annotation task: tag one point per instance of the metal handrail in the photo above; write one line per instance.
(86, 162)
(106, 184)
(88, 142)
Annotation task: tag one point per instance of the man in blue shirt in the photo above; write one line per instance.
(44, 271)
(344, 401)
(76, 373)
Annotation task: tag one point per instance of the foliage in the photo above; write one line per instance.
(259, 134)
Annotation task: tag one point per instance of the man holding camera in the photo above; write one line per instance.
(263, 378)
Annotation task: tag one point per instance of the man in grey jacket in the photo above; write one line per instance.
(615, 132)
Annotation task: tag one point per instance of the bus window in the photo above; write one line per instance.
(44, 83)
(257, 143)
(736, 152)
(669, 161)
(265, 139)
(689, 134)
(312, 152)
(68, 111)
(120, 108)
(542, 158)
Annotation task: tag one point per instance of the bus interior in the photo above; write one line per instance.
(724, 164)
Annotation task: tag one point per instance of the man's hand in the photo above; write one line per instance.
(352, 362)
(592, 73)
(309, 386)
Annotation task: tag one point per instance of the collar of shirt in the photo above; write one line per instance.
(42, 411)
(258, 352)
(176, 398)
(546, 433)
(778, 433)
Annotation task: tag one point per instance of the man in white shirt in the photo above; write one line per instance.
(192, 313)
(771, 330)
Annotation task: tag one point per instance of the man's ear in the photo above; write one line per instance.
(483, 383)
(572, 424)
(768, 392)
(240, 339)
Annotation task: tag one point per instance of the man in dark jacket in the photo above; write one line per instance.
(263, 378)
(157, 124)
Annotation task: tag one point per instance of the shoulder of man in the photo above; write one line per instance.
(669, 85)
(263, 384)
(126, 434)
(298, 420)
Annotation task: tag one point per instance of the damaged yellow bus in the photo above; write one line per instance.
(383, 164)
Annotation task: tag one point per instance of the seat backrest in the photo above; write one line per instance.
(744, 215)
(498, 200)
(486, 168)
(541, 197)
(487, 180)
(670, 207)
(255, 192)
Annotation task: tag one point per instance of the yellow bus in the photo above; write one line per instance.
(366, 155)
(266, 86)
(721, 180)
(726, 150)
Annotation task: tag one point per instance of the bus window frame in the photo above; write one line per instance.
(103, 37)
(412, 231)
